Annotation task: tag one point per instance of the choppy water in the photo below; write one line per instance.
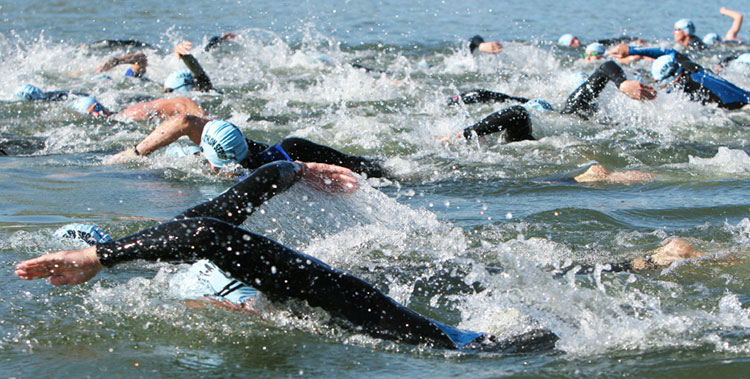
(470, 234)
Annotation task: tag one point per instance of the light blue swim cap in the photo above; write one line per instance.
(182, 81)
(101, 77)
(90, 234)
(82, 103)
(223, 143)
(711, 38)
(539, 105)
(565, 40)
(664, 68)
(595, 47)
(686, 25)
(29, 93)
(743, 58)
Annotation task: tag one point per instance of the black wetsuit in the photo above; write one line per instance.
(210, 231)
(695, 43)
(116, 43)
(300, 149)
(484, 96)
(514, 122)
(201, 80)
(582, 102)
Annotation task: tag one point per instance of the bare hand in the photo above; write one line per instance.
(183, 48)
(228, 36)
(637, 90)
(106, 65)
(62, 267)
(620, 51)
(493, 47)
(329, 178)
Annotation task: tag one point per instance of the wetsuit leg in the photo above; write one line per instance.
(307, 151)
(514, 121)
(239, 201)
(582, 102)
(280, 273)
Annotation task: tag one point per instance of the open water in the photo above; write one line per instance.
(473, 234)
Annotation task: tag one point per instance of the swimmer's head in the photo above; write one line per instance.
(222, 143)
(685, 25)
(29, 93)
(182, 81)
(743, 59)
(539, 105)
(568, 40)
(88, 105)
(665, 69)
(594, 51)
(91, 234)
(711, 38)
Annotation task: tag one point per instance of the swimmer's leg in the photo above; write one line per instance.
(307, 151)
(514, 121)
(279, 272)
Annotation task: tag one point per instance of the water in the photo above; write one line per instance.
(471, 233)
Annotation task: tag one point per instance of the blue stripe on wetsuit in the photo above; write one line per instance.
(274, 153)
(130, 72)
(651, 52)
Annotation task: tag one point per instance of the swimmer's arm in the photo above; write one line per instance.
(736, 23)
(651, 52)
(202, 82)
(138, 61)
(484, 96)
(239, 201)
(215, 41)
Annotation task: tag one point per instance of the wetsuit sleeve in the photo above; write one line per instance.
(202, 81)
(214, 42)
(725, 61)
(118, 43)
(475, 42)
(280, 273)
(515, 121)
(239, 201)
(582, 101)
(651, 52)
(484, 96)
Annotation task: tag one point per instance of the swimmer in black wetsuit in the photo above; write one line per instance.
(198, 79)
(210, 231)
(684, 34)
(673, 70)
(137, 61)
(478, 43)
(217, 41)
(222, 143)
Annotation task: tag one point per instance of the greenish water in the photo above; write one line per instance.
(472, 234)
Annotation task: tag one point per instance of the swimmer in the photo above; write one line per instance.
(217, 41)
(673, 70)
(211, 231)
(117, 43)
(222, 143)
(684, 34)
(597, 173)
(569, 40)
(743, 60)
(595, 52)
(29, 92)
(478, 43)
(137, 61)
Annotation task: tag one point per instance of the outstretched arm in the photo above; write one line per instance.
(215, 41)
(736, 24)
(137, 60)
(202, 81)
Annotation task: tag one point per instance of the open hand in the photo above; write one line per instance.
(493, 47)
(620, 51)
(183, 48)
(329, 178)
(62, 267)
(637, 90)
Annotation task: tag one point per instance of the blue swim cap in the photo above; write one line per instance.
(743, 58)
(91, 234)
(81, 104)
(177, 150)
(711, 38)
(223, 143)
(565, 40)
(101, 77)
(29, 93)
(538, 104)
(595, 47)
(665, 68)
(182, 81)
(686, 25)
